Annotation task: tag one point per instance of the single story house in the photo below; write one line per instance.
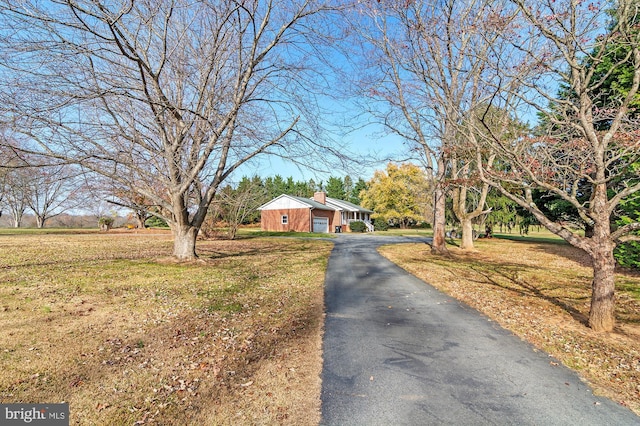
(317, 214)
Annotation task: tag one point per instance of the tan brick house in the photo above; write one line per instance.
(317, 214)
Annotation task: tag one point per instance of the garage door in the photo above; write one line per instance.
(320, 224)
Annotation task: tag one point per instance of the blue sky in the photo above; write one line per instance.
(368, 142)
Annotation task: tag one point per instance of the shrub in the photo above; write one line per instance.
(105, 223)
(156, 222)
(357, 226)
(380, 225)
(628, 255)
(422, 225)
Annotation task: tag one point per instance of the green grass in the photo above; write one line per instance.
(550, 239)
(396, 232)
(250, 233)
(536, 235)
(630, 287)
(47, 231)
(232, 307)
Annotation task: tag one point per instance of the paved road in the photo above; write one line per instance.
(399, 352)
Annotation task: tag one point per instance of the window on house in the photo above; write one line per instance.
(285, 219)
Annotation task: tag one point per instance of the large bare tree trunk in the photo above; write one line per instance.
(602, 312)
(467, 234)
(438, 246)
(184, 242)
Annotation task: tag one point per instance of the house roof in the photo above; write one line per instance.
(345, 205)
(315, 204)
(285, 201)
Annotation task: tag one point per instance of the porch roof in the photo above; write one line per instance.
(347, 206)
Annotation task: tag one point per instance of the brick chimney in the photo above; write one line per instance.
(320, 197)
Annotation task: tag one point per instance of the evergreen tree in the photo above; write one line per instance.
(348, 188)
(359, 186)
(335, 188)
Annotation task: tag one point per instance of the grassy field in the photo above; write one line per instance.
(112, 325)
(396, 232)
(253, 232)
(539, 289)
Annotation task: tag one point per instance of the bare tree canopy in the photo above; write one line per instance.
(53, 190)
(563, 55)
(168, 98)
(457, 77)
(425, 62)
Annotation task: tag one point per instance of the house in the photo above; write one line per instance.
(317, 214)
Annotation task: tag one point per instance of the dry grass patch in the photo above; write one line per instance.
(109, 324)
(541, 292)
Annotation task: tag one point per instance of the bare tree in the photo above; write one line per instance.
(235, 205)
(468, 191)
(47, 190)
(468, 196)
(425, 61)
(16, 181)
(586, 148)
(3, 188)
(8, 161)
(17, 194)
(53, 190)
(141, 207)
(173, 93)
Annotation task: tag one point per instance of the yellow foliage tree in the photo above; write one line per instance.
(401, 195)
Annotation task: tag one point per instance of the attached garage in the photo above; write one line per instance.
(321, 224)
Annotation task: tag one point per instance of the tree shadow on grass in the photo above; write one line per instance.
(213, 251)
(525, 287)
(531, 239)
(627, 281)
(507, 276)
(513, 276)
(566, 251)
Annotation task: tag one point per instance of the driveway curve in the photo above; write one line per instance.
(399, 352)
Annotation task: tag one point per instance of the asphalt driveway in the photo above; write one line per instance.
(399, 352)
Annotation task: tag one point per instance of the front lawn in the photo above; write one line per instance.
(111, 324)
